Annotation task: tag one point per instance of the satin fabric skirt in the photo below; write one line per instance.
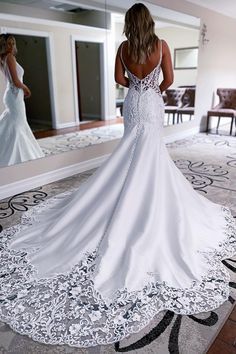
(17, 142)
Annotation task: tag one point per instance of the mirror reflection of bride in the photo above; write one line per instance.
(17, 142)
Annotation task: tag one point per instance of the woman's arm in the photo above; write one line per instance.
(167, 68)
(120, 77)
(11, 62)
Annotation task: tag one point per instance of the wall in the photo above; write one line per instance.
(177, 37)
(94, 18)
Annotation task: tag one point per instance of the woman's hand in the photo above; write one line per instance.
(27, 92)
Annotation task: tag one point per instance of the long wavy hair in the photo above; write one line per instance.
(3, 43)
(139, 29)
(3, 49)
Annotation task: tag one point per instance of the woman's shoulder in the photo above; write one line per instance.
(122, 44)
(164, 43)
(10, 58)
(164, 46)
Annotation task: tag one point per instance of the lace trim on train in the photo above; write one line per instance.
(67, 309)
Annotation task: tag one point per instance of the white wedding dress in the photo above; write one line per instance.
(93, 267)
(17, 142)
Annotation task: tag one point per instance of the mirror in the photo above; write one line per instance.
(185, 58)
(75, 101)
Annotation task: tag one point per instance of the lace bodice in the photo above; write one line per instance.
(151, 80)
(143, 105)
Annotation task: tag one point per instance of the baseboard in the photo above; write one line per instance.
(181, 135)
(67, 125)
(49, 177)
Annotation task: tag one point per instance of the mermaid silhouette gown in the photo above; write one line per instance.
(17, 142)
(98, 264)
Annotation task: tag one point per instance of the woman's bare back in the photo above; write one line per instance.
(141, 70)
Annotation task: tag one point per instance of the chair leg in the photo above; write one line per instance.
(207, 127)
(231, 126)
(168, 119)
(218, 123)
(173, 118)
(181, 117)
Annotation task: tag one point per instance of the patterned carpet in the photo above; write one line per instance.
(79, 139)
(209, 163)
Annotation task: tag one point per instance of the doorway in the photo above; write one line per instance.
(32, 56)
(89, 80)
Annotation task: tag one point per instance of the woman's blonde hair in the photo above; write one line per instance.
(139, 29)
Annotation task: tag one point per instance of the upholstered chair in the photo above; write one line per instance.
(173, 102)
(187, 104)
(226, 108)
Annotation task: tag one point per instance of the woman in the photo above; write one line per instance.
(134, 240)
(17, 142)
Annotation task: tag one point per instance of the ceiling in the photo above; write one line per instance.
(226, 7)
(160, 13)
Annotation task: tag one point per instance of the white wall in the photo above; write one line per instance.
(217, 64)
(177, 37)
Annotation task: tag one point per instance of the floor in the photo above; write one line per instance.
(81, 138)
(225, 342)
(82, 126)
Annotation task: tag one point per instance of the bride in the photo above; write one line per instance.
(17, 142)
(97, 265)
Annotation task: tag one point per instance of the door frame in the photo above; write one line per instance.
(103, 74)
(50, 64)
